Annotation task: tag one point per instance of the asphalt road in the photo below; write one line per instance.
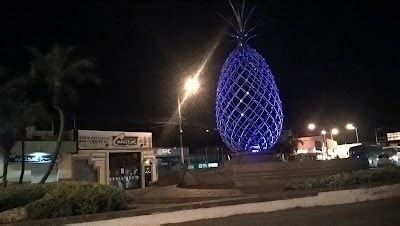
(381, 212)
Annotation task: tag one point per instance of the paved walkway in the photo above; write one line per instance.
(172, 191)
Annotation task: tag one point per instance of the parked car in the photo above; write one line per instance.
(393, 152)
(385, 160)
(368, 152)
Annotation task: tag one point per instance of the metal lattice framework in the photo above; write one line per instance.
(248, 109)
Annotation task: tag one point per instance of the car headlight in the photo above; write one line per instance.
(394, 158)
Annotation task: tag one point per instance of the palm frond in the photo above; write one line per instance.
(79, 64)
(61, 70)
(248, 17)
(237, 16)
(230, 22)
(241, 21)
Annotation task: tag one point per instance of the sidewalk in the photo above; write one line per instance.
(220, 197)
(173, 194)
(329, 198)
(155, 201)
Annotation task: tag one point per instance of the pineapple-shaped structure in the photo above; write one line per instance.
(248, 108)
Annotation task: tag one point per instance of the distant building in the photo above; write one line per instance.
(123, 159)
(324, 148)
(393, 138)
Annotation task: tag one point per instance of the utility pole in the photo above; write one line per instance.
(180, 131)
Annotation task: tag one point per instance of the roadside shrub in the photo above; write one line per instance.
(20, 194)
(75, 198)
(344, 179)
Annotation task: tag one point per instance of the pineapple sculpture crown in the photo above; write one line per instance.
(242, 35)
(248, 108)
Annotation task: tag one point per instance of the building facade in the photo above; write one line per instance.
(123, 159)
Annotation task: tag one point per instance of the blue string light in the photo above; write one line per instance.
(248, 109)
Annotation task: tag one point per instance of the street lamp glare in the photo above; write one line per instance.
(350, 126)
(311, 126)
(192, 84)
(323, 132)
(334, 131)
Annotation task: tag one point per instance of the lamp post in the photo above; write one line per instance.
(323, 133)
(376, 135)
(350, 126)
(206, 149)
(334, 131)
(191, 86)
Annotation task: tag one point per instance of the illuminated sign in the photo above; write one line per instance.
(92, 139)
(393, 136)
(170, 152)
(36, 157)
(122, 140)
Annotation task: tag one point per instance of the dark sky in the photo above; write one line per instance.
(334, 61)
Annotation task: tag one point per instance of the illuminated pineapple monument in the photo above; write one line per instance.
(248, 108)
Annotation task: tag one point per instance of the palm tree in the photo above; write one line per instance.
(17, 112)
(60, 72)
(287, 145)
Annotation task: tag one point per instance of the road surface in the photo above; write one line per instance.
(381, 212)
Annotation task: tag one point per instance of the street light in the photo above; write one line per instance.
(191, 86)
(323, 132)
(334, 131)
(311, 126)
(206, 149)
(350, 126)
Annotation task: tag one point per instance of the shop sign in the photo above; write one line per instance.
(92, 139)
(122, 140)
(171, 152)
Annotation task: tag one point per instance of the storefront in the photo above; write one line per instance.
(38, 155)
(169, 159)
(122, 159)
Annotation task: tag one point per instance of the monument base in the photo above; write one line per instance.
(266, 171)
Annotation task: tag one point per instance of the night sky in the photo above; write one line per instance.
(334, 61)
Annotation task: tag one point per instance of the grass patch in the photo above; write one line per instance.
(346, 179)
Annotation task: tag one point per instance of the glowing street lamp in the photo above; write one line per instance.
(334, 131)
(350, 126)
(311, 126)
(191, 86)
(323, 132)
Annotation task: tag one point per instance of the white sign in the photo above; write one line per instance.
(170, 152)
(393, 136)
(93, 139)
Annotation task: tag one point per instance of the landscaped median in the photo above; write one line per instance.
(381, 175)
(35, 201)
(59, 200)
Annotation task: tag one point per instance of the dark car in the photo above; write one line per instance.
(367, 152)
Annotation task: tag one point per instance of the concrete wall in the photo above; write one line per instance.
(253, 169)
(267, 172)
(35, 171)
(211, 176)
(44, 146)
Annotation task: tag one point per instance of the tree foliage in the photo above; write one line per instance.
(17, 111)
(60, 72)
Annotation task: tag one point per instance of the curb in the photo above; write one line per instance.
(322, 199)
